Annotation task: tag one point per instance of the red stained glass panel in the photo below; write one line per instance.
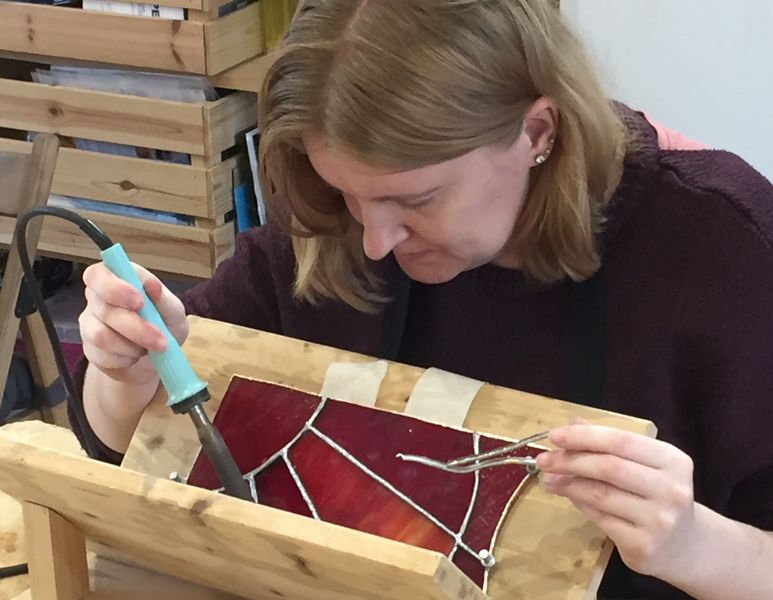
(337, 462)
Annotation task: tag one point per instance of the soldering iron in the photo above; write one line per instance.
(186, 392)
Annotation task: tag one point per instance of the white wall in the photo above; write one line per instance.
(701, 67)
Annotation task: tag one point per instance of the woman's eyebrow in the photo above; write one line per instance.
(404, 197)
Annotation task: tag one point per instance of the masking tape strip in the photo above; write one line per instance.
(355, 382)
(442, 397)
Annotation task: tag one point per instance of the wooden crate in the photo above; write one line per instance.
(203, 44)
(203, 190)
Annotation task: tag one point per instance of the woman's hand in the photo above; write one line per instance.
(115, 337)
(638, 490)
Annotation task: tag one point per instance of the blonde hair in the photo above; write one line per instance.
(408, 83)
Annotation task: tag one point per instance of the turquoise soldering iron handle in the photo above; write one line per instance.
(176, 373)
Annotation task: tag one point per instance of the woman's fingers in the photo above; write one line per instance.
(126, 323)
(601, 496)
(608, 440)
(621, 473)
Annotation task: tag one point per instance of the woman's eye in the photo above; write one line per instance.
(417, 204)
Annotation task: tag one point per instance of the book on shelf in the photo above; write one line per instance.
(134, 9)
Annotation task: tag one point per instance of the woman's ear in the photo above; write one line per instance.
(540, 124)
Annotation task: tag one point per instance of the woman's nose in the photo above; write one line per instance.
(382, 230)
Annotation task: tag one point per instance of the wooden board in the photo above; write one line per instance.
(548, 550)
(207, 128)
(225, 119)
(205, 44)
(12, 548)
(12, 539)
(247, 76)
(73, 33)
(104, 116)
(221, 180)
(233, 38)
(137, 182)
(253, 551)
(179, 249)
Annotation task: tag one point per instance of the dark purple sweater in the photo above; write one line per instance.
(688, 311)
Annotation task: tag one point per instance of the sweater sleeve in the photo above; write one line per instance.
(731, 347)
(736, 423)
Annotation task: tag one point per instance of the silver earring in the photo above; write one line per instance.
(541, 159)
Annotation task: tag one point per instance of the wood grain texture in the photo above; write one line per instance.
(223, 239)
(85, 35)
(137, 182)
(221, 180)
(31, 192)
(12, 546)
(233, 39)
(56, 551)
(12, 170)
(235, 546)
(13, 549)
(547, 549)
(247, 76)
(179, 249)
(227, 118)
(104, 116)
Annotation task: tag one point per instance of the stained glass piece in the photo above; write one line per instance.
(277, 488)
(346, 495)
(470, 565)
(256, 420)
(495, 491)
(343, 458)
(356, 427)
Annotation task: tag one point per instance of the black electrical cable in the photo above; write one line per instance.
(211, 440)
(13, 571)
(104, 242)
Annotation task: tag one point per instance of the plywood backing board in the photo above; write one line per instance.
(548, 550)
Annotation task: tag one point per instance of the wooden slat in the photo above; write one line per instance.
(144, 122)
(220, 184)
(160, 246)
(247, 76)
(233, 39)
(130, 181)
(12, 539)
(227, 118)
(239, 547)
(40, 355)
(12, 166)
(86, 35)
(223, 239)
(32, 193)
(116, 576)
(57, 555)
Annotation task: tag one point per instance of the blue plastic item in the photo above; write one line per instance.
(176, 373)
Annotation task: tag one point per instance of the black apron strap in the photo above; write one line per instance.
(395, 319)
(587, 359)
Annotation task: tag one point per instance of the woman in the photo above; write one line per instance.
(452, 189)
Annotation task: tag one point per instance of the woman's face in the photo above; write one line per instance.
(438, 220)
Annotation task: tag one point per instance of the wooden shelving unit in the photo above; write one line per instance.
(204, 44)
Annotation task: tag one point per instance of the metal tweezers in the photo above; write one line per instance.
(476, 462)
